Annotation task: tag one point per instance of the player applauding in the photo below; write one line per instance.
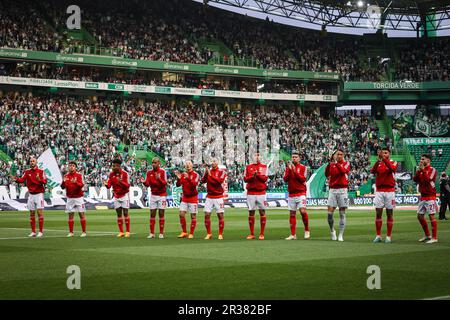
(426, 178)
(189, 200)
(295, 176)
(384, 170)
(337, 173)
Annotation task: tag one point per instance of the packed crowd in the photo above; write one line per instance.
(158, 30)
(75, 73)
(425, 61)
(91, 132)
(23, 26)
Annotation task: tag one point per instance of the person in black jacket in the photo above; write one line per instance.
(444, 184)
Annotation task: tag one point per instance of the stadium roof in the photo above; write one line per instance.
(397, 14)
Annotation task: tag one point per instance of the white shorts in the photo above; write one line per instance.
(158, 202)
(123, 202)
(296, 203)
(217, 204)
(427, 206)
(338, 198)
(256, 202)
(189, 207)
(384, 200)
(75, 205)
(35, 201)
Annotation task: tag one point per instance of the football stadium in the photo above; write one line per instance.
(225, 150)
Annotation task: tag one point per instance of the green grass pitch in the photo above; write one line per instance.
(235, 268)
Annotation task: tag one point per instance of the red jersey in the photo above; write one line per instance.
(157, 181)
(189, 181)
(214, 182)
(35, 180)
(426, 179)
(296, 180)
(119, 182)
(256, 185)
(337, 172)
(73, 183)
(385, 175)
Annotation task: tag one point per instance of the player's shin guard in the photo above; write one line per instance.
(262, 221)
(183, 224)
(378, 225)
(390, 225)
(293, 223)
(161, 225)
(33, 223)
(208, 224)
(424, 225)
(127, 223)
(41, 223)
(251, 224)
(120, 223)
(221, 225)
(71, 222)
(152, 225)
(305, 220)
(83, 224)
(331, 221)
(433, 226)
(193, 225)
(342, 221)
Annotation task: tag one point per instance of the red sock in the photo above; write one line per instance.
(152, 225)
(262, 221)
(70, 225)
(424, 225)
(127, 223)
(41, 223)
(305, 220)
(378, 225)
(193, 225)
(183, 224)
(221, 225)
(83, 224)
(293, 222)
(120, 223)
(251, 223)
(433, 226)
(208, 225)
(33, 223)
(161, 225)
(390, 225)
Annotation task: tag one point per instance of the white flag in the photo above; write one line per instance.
(47, 162)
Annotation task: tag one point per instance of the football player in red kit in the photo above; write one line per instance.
(337, 173)
(255, 176)
(189, 200)
(426, 178)
(214, 179)
(157, 181)
(384, 170)
(73, 183)
(295, 176)
(35, 181)
(118, 180)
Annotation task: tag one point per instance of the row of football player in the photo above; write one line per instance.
(256, 177)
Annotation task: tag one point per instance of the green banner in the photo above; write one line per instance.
(401, 86)
(43, 56)
(426, 141)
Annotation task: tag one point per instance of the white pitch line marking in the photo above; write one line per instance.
(89, 236)
(438, 298)
(59, 230)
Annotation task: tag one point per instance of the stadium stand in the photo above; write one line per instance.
(157, 30)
